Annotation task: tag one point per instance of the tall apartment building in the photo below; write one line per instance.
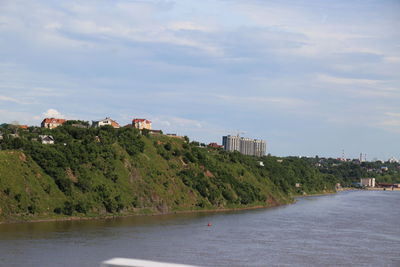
(247, 146)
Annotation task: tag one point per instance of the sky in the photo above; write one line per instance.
(309, 77)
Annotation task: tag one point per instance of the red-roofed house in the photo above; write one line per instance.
(215, 145)
(52, 123)
(141, 124)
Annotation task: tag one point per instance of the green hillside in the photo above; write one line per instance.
(107, 171)
(25, 188)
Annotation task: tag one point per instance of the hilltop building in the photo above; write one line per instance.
(106, 121)
(215, 145)
(52, 123)
(393, 160)
(247, 146)
(47, 139)
(141, 124)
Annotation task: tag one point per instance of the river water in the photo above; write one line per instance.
(357, 228)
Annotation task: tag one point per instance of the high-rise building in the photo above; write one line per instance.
(260, 147)
(247, 146)
(231, 143)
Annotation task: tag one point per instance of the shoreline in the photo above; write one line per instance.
(369, 189)
(114, 216)
(316, 194)
(382, 189)
(105, 217)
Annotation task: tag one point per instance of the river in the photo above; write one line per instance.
(356, 228)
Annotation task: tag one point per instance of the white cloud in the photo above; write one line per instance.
(355, 87)
(7, 116)
(53, 26)
(170, 55)
(386, 121)
(392, 59)
(81, 26)
(178, 122)
(9, 99)
(391, 123)
(53, 113)
(279, 102)
(189, 25)
(346, 81)
(195, 129)
(392, 114)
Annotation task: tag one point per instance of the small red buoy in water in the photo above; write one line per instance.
(209, 224)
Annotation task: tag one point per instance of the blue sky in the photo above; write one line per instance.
(310, 77)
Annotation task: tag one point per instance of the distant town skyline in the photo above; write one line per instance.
(309, 77)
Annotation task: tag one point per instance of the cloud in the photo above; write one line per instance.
(392, 123)
(389, 125)
(392, 59)
(200, 65)
(10, 99)
(346, 81)
(178, 122)
(278, 102)
(53, 113)
(195, 129)
(21, 117)
(82, 26)
(387, 121)
(189, 26)
(392, 114)
(359, 87)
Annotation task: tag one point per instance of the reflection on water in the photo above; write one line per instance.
(91, 227)
(353, 228)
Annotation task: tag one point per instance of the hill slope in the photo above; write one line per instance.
(95, 172)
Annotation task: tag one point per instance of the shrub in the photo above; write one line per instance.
(68, 208)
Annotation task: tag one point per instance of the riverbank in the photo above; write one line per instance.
(316, 194)
(382, 189)
(137, 214)
(369, 189)
(147, 212)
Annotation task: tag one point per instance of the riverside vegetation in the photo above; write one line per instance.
(92, 172)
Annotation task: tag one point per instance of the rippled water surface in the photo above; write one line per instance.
(360, 228)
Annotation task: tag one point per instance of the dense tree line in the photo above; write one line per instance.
(348, 173)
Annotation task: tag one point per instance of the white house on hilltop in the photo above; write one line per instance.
(106, 121)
